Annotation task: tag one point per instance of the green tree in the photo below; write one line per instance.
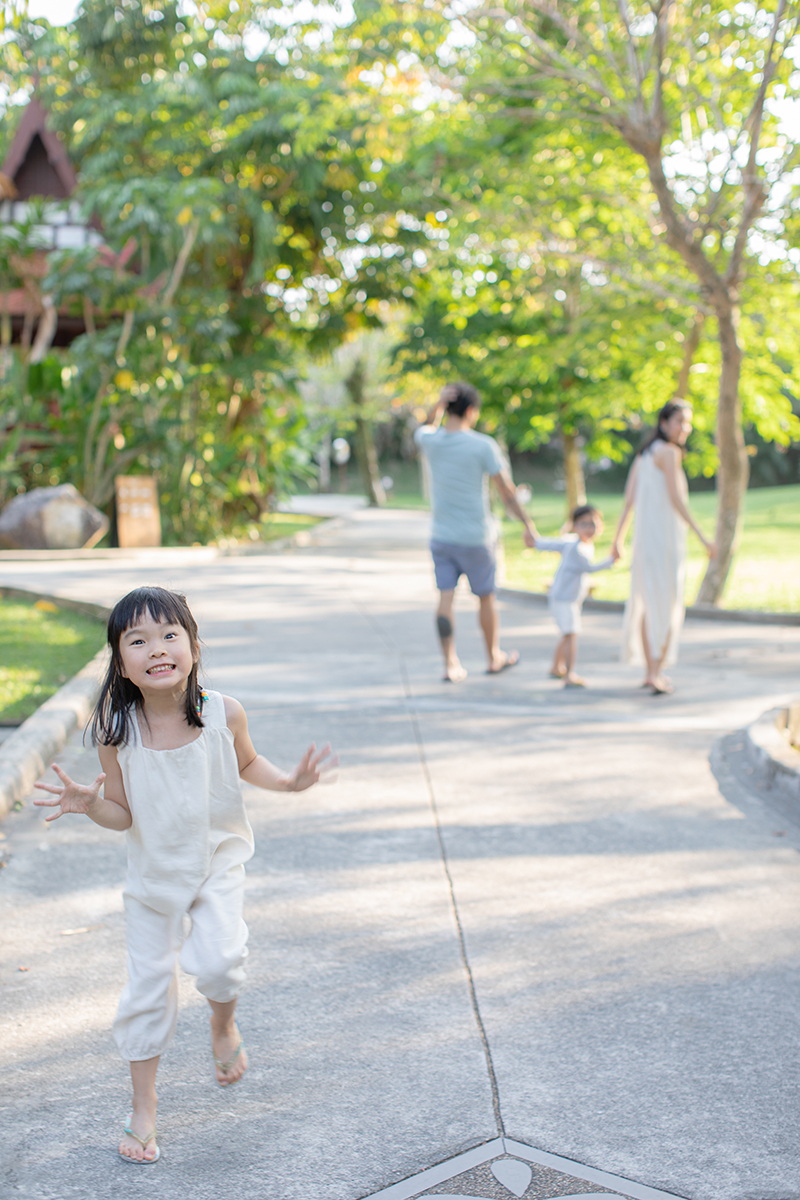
(693, 92)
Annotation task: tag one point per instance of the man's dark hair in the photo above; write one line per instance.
(585, 510)
(461, 397)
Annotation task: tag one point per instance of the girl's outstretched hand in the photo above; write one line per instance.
(71, 797)
(313, 768)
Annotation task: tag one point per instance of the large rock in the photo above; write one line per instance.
(52, 518)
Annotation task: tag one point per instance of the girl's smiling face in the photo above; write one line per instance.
(156, 655)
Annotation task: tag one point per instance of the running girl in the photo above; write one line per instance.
(172, 758)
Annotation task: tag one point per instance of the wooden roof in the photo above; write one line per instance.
(37, 162)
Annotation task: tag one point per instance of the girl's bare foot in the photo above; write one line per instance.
(142, 1124)
(557, 672)
(230, 1056)
(571, 680)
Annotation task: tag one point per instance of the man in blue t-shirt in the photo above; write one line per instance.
(464, 536)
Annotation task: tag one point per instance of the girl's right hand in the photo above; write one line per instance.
(710, 548)
(72, 797)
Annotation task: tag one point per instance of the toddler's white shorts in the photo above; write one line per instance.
(566, 614)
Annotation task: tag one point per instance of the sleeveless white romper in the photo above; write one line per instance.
(658, 567)
(187, 847)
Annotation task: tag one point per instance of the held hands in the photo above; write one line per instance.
(710, 548)
(71, 797)
(615, 552)
(313, 768)
(529, 538)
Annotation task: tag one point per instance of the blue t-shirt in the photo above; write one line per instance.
(460, 464)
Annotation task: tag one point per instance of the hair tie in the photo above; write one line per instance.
(203, 697)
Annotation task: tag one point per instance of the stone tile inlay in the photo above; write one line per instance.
(502, 1169)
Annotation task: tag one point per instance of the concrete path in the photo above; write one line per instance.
(520, 911)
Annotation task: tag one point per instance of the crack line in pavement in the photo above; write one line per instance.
(462, 944)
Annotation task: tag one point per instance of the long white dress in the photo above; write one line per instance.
(658, 567)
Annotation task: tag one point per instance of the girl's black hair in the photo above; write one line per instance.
(461, 397)
(657, 434)
(111, 721)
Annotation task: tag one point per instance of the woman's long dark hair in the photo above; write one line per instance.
(657, 434)
(111, 724)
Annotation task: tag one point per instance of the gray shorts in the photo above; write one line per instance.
(450, 561)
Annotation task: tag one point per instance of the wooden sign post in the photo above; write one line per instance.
(138, 517)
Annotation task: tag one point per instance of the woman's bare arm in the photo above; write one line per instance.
(627, 508)
(667, 458)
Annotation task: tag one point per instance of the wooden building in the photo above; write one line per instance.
(37, 167)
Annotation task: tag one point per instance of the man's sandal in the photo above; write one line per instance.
(226, 1066)
(143, 1142)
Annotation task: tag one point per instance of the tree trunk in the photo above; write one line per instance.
(573, 473)
(323, 457)
(366, 454)
(690, 347)
(733, 470)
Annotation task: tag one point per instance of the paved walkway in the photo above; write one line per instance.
(519, 911)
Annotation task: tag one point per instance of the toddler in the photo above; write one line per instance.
(570, 587)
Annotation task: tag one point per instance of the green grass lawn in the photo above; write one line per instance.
(278, 525)
(766, 571)
(40, 650)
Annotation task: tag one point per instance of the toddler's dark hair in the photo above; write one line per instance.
(462, 396)
(585, 510)
(111, 721)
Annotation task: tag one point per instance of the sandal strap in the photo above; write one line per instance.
(151, 1137)
(226, 1066)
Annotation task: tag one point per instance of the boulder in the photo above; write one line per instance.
(51, 518)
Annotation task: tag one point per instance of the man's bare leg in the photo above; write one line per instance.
(143, 1111)
(490, 624)
(453, 670)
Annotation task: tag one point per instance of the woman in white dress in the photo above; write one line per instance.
(657, 490)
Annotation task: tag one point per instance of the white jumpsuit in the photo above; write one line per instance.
(187, 847)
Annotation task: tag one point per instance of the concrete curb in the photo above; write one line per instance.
(304, 537)
(693, 611)
(772, 755)
(25, 755)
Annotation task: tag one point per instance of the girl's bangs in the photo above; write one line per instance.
(157, 603)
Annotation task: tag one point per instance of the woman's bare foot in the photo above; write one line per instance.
(230, 1056)
(141, 1122)
(454, 673)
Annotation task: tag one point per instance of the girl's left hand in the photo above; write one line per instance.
(313, 768)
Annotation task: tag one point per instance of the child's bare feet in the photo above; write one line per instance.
(230, 1056)
(572, 680)
(139, 1141)
(558, 672)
